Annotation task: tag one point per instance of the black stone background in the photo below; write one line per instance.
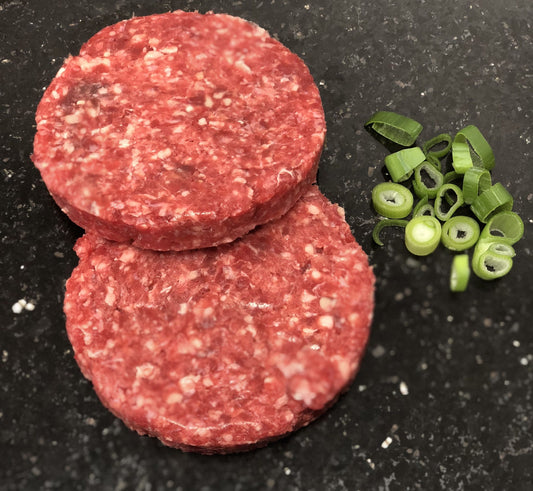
(465, 359)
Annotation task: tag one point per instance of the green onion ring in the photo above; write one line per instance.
(460, 273)
(445, 192)
(489, 265)
(434, 161)
(443, 137)
(386, 222)
(401, 164)
(392, 200)
(419, 186)
(460, 233)
(491, 201)
(476, 180)
(423, 207)
(496, 246)
(452, 176)
(481, 154)
(505, 226)
(395, 127)
(422, 235)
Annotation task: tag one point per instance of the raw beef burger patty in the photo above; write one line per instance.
(179, 131)
(223, 349)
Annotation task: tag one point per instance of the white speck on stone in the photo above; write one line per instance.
(516, 343)
(524, 361)
(404, 390)
(370, 463)
(378, 351)
(386, 442)
(287, 471)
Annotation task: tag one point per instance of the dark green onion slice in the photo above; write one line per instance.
(460, 233)
(469, 148)
(442, 138)
(505, 226)
(453, 195)
(492, 201)
(423, 173)
(386, 222)
(460, 273)
(424, 207)
(476, 180)
(395, 127)
(422, 235)
(401, 164)
(392, 200)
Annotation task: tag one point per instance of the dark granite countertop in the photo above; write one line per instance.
(444, 396)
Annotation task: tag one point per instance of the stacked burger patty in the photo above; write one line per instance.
(220, 300)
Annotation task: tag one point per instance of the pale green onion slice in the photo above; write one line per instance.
(386, 222)
(452, 176)
(434, 161)
(460, 273)
(392, 200)
(496, 246)
(492, 201)
(469, 148)
(453, 195)
(476, 180)
(442, 138)
(489, 265)
(505, 226)
(460, 233)
(424, 207)
(423, 173)
(401, 164)
(422, 235)
(395, 127)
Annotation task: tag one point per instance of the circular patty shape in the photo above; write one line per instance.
(179, 130)
(224, 349)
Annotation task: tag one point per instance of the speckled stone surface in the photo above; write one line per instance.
(444, 397)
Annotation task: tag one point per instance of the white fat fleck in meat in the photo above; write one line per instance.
(208, 102)
(110, 296)
(226, 101)
(163, 154)
(188, 384)
(303, 392)
(73, 118)
(152, 55)
(174, 398)
(326, 321)
(307, 297)
(309, 249)
(202, 122)
(146, 371)
(313, 210)
(327, 303)
(169, 50)
(315, 274)
(124, 143)
(183, 309)
(353, 318)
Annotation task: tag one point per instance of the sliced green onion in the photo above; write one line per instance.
(505, 226)
(476, 180)
(469, 148)
(460, 233)
(434, 161)
(491, 201)
(452, 176)
(420, 187)
(387, 222)
(422, 235)
(496, 246)
(489, 265)
(453, 195)
(443, 137)
(401, 164)
(395, 127)
(392, 200)
(460, 273)
(424, 207)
